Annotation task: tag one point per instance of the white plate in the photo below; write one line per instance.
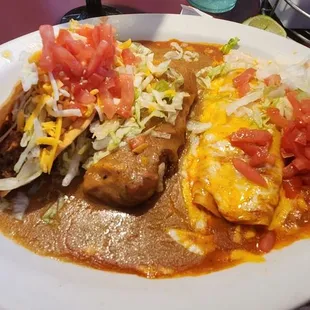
(28, 281)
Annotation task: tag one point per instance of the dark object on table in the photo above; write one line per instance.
(242, 11)
(300, 35)
(93, 8)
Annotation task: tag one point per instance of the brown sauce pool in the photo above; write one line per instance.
(87, 233)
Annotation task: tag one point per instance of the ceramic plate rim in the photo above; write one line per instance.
(28, 281)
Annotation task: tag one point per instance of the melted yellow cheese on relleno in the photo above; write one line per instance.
(211, 181)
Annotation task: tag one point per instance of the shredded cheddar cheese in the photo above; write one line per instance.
(47, 88)
(48, 156)
(94, 92)
(35, 57)
(47, 141)
(89, 111)
(44, 158)
(49, 128)
(119, 62)
(170, 93)
(40, 101)
(125, 44)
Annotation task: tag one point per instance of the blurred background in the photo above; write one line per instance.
(23, 16)
(20, 16)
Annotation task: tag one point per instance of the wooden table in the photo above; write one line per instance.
(23, 16)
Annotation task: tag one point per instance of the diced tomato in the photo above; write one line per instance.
(97, 58)
(108, 108)
(305, 105)
(243, 89)
(305, 179)
(95, 80)
(248, 148)
(106, 72)
(307, 152)
(116, 89)
(250, 173)
(267, 241)
(289, 171)
(75, 46)
(63, 36)
(96, 35)
(108, 60)
(48, 39)
(64, 74)
(73, 105)
(292, 187)
(292, 97)
(107, 33)
(241, 82)
(128, 57)
(86, 32)
(135, 142)
(64, 57)
(112, 84)
(276, 118)
(306, 118)
(294, 144)
(287, 141)
(127, 95)
(301, 163)
(308, 132)
(76, 87)
(244, 77)
(261, 158)
(256, 136)
(301, 137)
(298, 150)
(273, 80)
(85, 97)
(85, 55)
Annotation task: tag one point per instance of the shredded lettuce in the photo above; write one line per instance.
(50, 214)
(139, 49)
(206, 75)
(176, 78)
(176, 53)
(302, 94)
(197, 127)
(285, 107)
(230, 45)
(162, 86)
(160, 69)
(23, 156)
(153, 114)
(100, 131)
(20, 204)
(4, 204)
(217, 71)
(73, 169)
(190, 56)
(29, 72)
(247, 99)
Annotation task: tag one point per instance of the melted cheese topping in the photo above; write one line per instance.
(210, 178)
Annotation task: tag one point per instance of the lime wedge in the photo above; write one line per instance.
(265, 22)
